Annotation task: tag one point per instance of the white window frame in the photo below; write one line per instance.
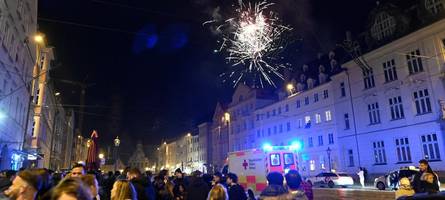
(396, 108)
(384, 26)
(374, 113)
(414, 62)
(430, 146)
(368, 78)
(317, 118)
(422, 102)
(403, 151)
(328, 115)
(379, 152)
(390, 70)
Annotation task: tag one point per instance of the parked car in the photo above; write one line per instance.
(331, 179)
(391, 180)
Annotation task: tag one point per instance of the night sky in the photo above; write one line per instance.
(152, 64)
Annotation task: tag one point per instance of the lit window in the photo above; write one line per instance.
(312, 165)
(307, 121)
(328, 115)
(317, 118)
(434, 6)
(384, 26)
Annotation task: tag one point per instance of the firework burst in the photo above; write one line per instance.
(253, 41)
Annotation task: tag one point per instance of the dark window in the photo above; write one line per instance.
(414, 62)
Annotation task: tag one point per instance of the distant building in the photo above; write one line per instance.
(138, 159)
(220, 137)
(205, 147)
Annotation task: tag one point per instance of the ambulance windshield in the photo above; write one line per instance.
(275, 159)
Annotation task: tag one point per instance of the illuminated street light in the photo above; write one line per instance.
(39, 38)
(57, 94)
(290, 88)
(101, 156)
(227, 116)
(189, 134)
(117, 141)
(146, 168)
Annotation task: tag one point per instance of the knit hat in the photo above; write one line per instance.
(178, 171)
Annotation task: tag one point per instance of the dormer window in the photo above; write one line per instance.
(434, 6)
(384, 26)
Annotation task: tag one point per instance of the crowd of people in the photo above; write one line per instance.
(44, 184)
(423, 184)
(132, 184)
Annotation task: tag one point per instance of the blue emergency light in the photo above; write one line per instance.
(267, 147)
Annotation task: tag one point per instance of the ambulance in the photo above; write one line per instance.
(252, 165)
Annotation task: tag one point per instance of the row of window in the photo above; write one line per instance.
(429, 146)
(310, 142)
(273, 130)
(279, 110)
(414, 63)
(421, 100)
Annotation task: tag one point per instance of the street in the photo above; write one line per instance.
(351, 193)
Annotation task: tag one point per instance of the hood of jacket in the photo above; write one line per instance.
(273, 190)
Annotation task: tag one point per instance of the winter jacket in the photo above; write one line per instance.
(404, 192)
(236, 192)
(197, 189)
(144, 189)
(421, 186)
(273, 190)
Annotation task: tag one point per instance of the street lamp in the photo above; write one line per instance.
(39, 38)
(117, 142)
(101, 156)
(290, 88)
(329, 158)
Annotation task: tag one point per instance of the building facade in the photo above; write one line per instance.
(138, 159)
(18, 21)
(398, 103)
(220, 137)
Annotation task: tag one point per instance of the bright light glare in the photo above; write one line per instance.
(2, 115)
(38, 38)
(267, 147)
(296, 146)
